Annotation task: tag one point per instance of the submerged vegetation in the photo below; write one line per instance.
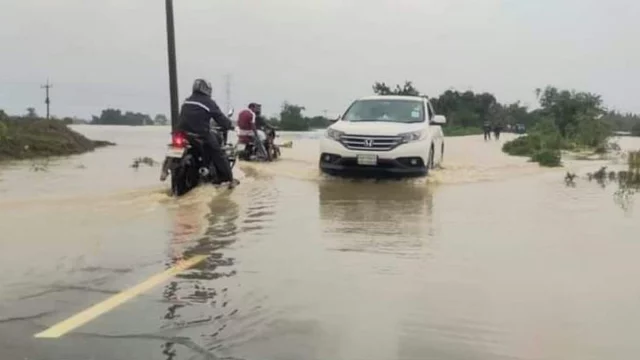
(143, 161)
(31, 137)
(628, 181)
(569, 120)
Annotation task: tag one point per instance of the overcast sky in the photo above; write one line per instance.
(317, 53)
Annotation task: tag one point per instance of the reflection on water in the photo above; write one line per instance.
(204, 300)
(378, 217)
(195, 299)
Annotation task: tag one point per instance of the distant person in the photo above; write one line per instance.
(497, 128)
(487, 130)
(195, 117)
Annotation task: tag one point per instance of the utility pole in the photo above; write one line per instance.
(173, 73)
(47, 100)
(325, 111)
(228, 90)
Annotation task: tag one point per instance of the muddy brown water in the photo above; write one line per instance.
(490, 257)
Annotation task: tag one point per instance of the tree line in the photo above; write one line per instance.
(117, 117)
(466, 112)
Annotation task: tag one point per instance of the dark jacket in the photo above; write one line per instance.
(197, 112)
(261, 123)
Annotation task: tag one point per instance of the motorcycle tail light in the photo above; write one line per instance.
(178, 140)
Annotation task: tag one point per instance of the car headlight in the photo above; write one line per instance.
(411, 136)
(334, 134)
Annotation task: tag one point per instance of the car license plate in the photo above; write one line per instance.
(367, 159)
(175, 152)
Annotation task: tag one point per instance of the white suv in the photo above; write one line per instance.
(398, 135)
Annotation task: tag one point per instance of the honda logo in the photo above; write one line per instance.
(368, 142)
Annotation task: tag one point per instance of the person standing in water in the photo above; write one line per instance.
(497, 128)
(487, 130)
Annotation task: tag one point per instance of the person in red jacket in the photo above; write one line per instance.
(248, 128)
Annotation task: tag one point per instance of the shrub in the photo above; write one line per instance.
(543, 144)
(522, 146)
(547, 157)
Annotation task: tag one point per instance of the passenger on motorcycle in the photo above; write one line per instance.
(250, 123)
(195, 117)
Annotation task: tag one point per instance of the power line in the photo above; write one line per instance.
(47, 101)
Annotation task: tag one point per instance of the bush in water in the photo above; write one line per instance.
(547, 157)
(571, 121)
(522, 146)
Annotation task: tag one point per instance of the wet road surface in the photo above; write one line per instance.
(491, 258)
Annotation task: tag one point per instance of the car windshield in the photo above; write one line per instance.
(388, 110)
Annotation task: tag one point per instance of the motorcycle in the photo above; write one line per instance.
(252, 149)
(184, 160)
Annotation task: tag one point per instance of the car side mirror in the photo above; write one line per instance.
(230, 112)
(439, 120)
(333, 121)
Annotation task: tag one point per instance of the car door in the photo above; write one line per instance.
(436, 132)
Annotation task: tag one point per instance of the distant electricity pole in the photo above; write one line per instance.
(325, 111)
(47, 101)
(227, 84)
(173, 73)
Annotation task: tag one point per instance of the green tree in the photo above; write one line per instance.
(318, 122)
(31, 113)
(635, 130)
(3, 127)
(468, 109)
(161, 119)
(381, 88)
(116, 117)
(291, 118)
(621, 122)
(273, 120)
(569, 108)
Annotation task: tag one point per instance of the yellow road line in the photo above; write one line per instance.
(111, 303)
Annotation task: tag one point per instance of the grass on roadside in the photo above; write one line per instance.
(35, 138)
(461, 131)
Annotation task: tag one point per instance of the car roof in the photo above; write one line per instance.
(392, 97)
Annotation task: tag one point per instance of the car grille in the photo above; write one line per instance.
(370, 143)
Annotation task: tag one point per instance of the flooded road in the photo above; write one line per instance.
(491, 257)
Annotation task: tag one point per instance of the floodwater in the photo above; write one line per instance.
(490, 257)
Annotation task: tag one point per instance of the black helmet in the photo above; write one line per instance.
(202, 86)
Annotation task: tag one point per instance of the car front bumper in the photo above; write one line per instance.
(403, 160)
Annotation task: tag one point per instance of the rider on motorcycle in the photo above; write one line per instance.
(251, 122)
(195, 117)
(261, 122)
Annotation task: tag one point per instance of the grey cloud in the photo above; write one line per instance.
(320, 54)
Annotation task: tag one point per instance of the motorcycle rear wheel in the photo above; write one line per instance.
(178, 182)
